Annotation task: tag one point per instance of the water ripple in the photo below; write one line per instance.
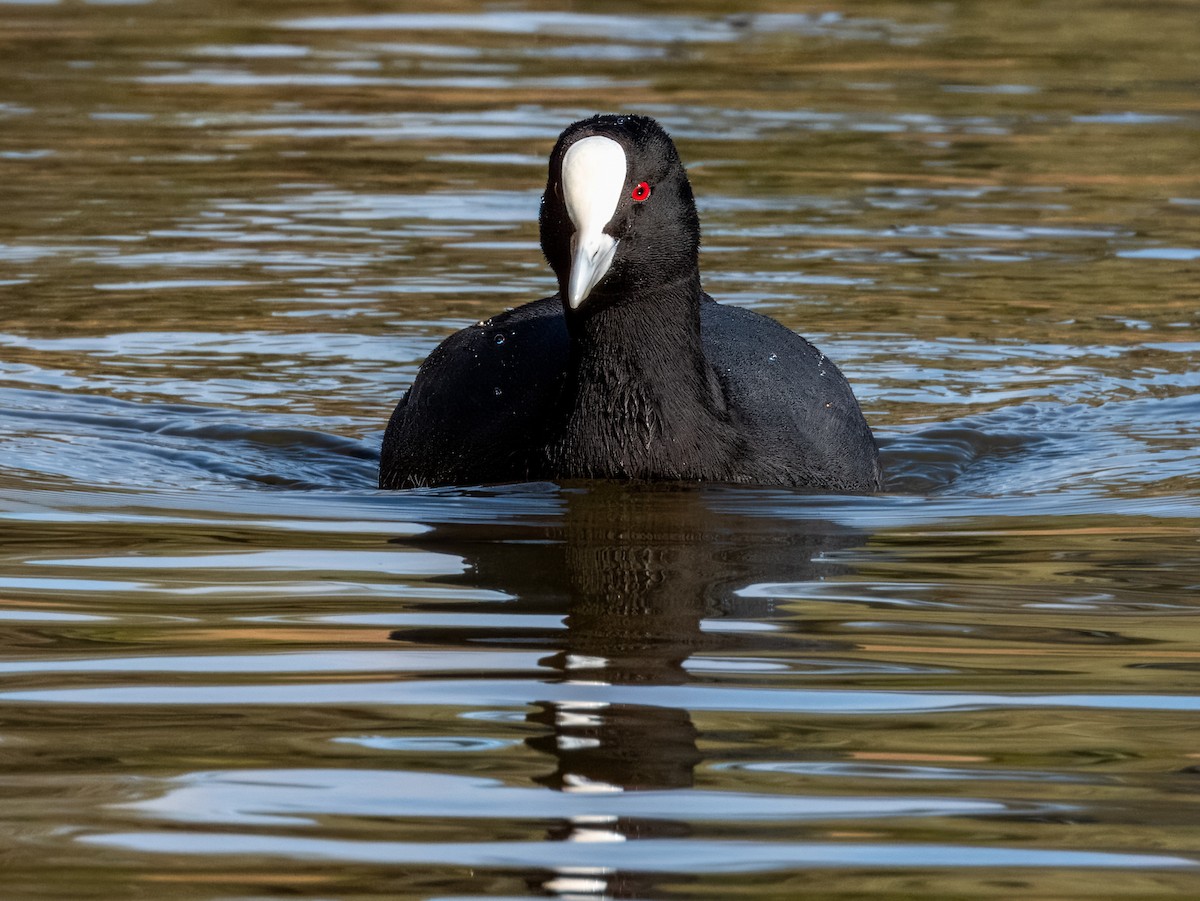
(646, 856)
(500, 692)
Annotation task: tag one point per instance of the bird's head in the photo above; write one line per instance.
(618, 219)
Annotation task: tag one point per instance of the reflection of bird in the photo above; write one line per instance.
(652, 580)
(631, 370)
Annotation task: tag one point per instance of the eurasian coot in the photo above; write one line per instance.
(630, 371)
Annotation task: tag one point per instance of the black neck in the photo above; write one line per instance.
(640, 397)
(653, 328)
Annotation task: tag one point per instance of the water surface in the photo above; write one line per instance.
(232, 669)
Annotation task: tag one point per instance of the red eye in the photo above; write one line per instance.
(641, 192)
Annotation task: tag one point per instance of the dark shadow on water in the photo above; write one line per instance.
(937, 457)
(648, 577)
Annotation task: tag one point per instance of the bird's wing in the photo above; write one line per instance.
(793, 404)
(479, 403)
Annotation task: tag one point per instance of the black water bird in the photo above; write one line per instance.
(630, 371)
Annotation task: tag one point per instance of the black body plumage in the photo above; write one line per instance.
(647, 379)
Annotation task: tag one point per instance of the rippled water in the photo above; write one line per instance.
(231, 669)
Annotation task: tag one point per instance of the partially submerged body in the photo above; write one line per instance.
(631, 371)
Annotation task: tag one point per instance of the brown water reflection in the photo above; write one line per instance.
(233, 669)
